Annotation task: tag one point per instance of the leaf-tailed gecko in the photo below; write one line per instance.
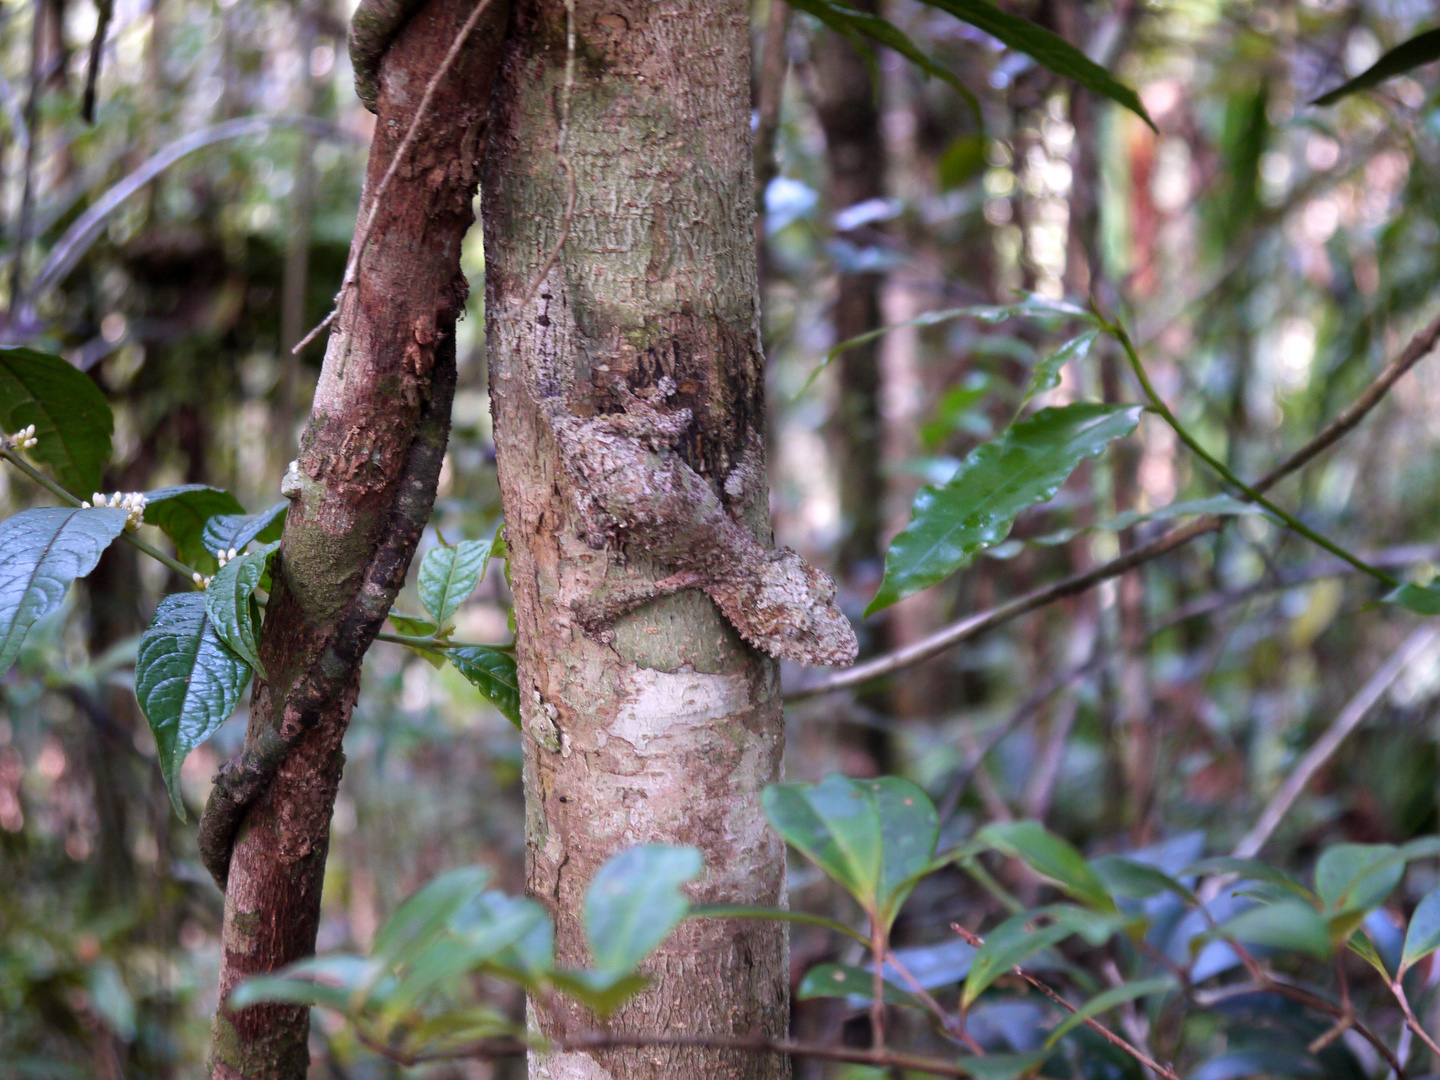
(630, 485)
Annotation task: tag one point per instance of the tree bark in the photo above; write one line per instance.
(669, 732)
(362, 490)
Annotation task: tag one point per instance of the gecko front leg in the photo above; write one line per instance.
(597, 612)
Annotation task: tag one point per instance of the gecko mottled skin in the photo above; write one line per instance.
(630, 485)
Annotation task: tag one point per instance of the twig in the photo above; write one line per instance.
(27, 194)
(1090, 1022)
(1410, 1021)
(104, 10)
(774, 63)
(1315, 758)
(973, 625)
(950, 1022)
(352, 267)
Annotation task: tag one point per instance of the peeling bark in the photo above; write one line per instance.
(668, 732)
(367, 469)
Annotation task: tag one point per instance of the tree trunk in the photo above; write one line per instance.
(668, 732)
(362, 490)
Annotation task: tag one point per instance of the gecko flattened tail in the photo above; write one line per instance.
(789, 611)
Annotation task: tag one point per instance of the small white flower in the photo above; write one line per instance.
(231, 555)
(84, 505)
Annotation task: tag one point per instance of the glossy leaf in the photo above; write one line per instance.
(634, 901)
(182, 511)
(228, 602)
(1421, 49)
(843, 980)
(1046, 373)
(336, 982)
(1357, 877)
(423, 915)
(1045, 47)
(1250, 870)
(601, 992)
(1423, 935)
(1051, 856)
(1135, 880)
(448, 575)
(493, 673)
(856, 25)
(1421, 599)
(41, 552)
(997, 480)
(1361, 945)
(1290, 925)
(225, 531)
(1003, 1066)
(1104, 1002)
(1018, 938)
(871, 836)
(72, 419)
(188, 682)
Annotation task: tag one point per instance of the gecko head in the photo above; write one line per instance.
(796, 603)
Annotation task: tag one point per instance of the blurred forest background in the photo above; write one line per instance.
(1270, 257)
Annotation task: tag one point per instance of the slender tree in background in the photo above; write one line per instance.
(668, 732)
(361, 491)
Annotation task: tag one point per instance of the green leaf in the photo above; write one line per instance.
(1421, 49)
(997, 480)
(225, 531)
(1289, 925)
(71, 416)
(601, 992)
(188, 682)
(842, 980)
(855, 25)
(493, 673)
(1361, 945)
(332, 981)
(1423, 935)
(228, 603)
(1015, 940)
(41, 552)
(182, 511)
(1421, 599)
(1003, 1066)
(425, 914)
(871, 836)
(413, 627)
(962, 161)
(634, 901)
(1051, 856)
(1048, 49)
(749, 911)
(1136, 880)
(1116, 995)
(1353, 878)
(1046, 374)
(448, 575)
(1249, 870)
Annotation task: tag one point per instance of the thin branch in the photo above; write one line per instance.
(27, 193)
(352, 267)
(973, 625)
(1315, 758)
(774, 64)
(1410, 1021)
(1090, 1022)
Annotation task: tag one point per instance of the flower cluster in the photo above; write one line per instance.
(23, 439)
(133, 501)
(222, 557)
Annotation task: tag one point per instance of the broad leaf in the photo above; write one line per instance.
(1250, 870)
(1046, 373)
(1048, 49)
(1352, 878)
(424, 915)
(997, 480)
(1135, 880)
(1421, 49)
(41, 552)
(1052, 856)
(634, 901)
(1116, 995)
(871, 836)
(448, 575)
(1289, 925)
(1016, 940)
(225, 531)
(72, 419)
(842, 980)
(601, 992)
(336, 982)
(493, 673)
(1421, 599)
(855, 25)
(420, 628)
(1003, 1066)
(1423, 936)
(229, 603)
(188, 682)
(182, 511)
